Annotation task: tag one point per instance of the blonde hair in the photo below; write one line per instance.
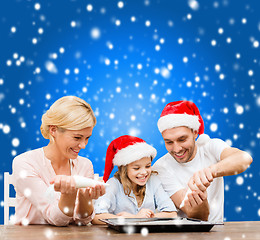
(69, 113)
(123, 178)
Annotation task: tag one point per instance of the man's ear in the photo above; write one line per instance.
(195, 133)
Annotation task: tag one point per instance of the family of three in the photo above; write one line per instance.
(186, 182)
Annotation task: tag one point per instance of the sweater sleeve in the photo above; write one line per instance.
(107, 202)
(162, 200)
(29, 185)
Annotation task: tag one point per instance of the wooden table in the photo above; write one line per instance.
(228, 231)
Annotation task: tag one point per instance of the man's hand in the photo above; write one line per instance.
(195, 203)
(201, 180)
(195, 198)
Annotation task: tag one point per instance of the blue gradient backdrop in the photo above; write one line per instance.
(128, 59)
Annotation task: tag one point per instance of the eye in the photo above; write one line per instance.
(182, 140)
(77, 138)
(136, 169)
(168, 143)
(148, 166)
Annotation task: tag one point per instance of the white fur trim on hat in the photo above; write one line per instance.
(203, 139)
(134, 152)
(178, 120)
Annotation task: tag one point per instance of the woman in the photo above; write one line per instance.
(134, 191)
(68, 124)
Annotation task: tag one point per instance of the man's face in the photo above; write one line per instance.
(180, 143)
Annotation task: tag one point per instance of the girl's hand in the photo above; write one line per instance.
(145, 213)
(126, 215)
(64, 184)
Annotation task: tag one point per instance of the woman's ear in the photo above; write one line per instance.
(53, 130)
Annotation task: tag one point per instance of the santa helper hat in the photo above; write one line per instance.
(183, 114)
(124, 150)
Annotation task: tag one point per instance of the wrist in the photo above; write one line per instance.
(67, 204)
(213, 170)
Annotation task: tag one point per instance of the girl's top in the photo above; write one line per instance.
(116, 201)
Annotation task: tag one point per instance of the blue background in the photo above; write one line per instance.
(129, 71)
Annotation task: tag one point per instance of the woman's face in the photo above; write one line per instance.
(139, 171)
(70, 142)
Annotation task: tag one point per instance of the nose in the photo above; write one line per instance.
(143, 171)
(83, 144)
(176, 147)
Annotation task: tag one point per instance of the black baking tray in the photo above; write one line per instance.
(149, 225)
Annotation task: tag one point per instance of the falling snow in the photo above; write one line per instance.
(128, 64)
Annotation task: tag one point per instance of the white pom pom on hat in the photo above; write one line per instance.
(202, 139)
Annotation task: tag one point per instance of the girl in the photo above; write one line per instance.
(68, 124)
(134, 191)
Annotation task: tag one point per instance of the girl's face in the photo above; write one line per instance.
(139, 171)
(69, 142)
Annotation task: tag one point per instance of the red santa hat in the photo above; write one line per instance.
(124, 150)
(183, 113)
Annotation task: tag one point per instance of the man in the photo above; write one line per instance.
(192, 171)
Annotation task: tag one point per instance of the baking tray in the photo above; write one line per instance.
(140, 225)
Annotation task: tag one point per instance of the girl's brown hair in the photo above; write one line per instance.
(123, 178)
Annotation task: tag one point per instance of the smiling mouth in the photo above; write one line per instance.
(180, 155)
(75, 151)
(142, 179)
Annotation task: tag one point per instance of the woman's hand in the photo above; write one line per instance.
(90, 193)
(85, 197)
(64, 184)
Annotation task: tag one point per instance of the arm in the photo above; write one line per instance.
(66, 186)
(26, 177)
(143, 213)
(163, 202)
(233, 161)
(85, 205)
(196, 206)
(105, 205)
(166, 215)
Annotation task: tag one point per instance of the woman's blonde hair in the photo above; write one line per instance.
(123, 178)
(69, 113)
